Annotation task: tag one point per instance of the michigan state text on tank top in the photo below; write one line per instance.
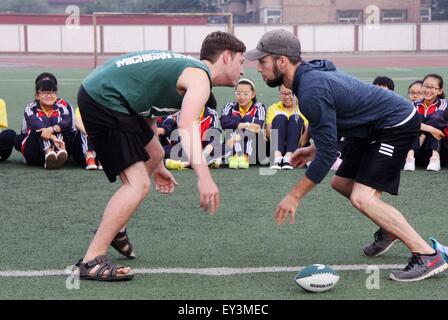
(142, 83)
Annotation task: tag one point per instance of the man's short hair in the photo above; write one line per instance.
(217, 42)
(383, 81)
(293, 60)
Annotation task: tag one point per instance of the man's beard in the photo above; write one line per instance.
(278, 80)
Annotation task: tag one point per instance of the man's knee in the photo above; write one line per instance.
(360, 200)
(338, 184)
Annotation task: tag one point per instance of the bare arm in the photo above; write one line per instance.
(288, 206)
(305, 137)
(196, 85)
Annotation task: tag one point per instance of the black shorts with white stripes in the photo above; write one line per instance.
(377, 161)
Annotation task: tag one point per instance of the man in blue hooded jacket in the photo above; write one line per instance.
(380, 125)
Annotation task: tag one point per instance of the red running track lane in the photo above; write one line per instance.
(341, 60)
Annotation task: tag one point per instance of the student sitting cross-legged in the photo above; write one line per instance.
(244, 118)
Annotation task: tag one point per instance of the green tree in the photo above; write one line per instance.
(24, 6)
(439, 9)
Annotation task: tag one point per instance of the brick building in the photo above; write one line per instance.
(327, 11)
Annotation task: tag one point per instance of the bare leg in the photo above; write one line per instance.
(122, 205)
(345, 186)
(365, 199)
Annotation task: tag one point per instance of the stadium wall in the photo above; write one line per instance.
(38, 36)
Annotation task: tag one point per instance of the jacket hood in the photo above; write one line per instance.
(306, 66)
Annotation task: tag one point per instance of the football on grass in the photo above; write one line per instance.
(317, 278)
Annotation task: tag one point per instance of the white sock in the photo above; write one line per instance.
(278, 160)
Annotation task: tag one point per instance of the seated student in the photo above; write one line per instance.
(209, 131)
(245, 118)
(47, 128)
(415, 91)
(289, 124)
(83, 151)
(6, 136)
(165, 127)
(429, 107)
(384, 82)
(440, 122)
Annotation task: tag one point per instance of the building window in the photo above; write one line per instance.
(272, 16)
(349, 16)
(425, 14)
(394, 15)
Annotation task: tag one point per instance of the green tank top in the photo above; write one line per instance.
(142, 83)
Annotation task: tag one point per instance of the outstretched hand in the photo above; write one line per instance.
(286, 208)
(209, 195)
(303, 155)
(164, 180)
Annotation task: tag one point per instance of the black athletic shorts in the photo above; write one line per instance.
(377, 161)
(119, 139)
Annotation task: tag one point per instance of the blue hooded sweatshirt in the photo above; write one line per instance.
(337, 104)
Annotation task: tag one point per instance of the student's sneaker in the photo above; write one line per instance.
(99, 166)
(409, 165)
(91, 164)
(50, 160)
(286, 164)
(382, 243)
(420, 267)
(434, 164)
(233, 162)
(276, 165)
(61, 157)
(436, 245)
(243, 162)
(174, 164)
(216, 164)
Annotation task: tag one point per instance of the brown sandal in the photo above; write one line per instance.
(105, 264)
(120, 242)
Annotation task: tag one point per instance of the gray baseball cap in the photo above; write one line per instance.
(279, 42)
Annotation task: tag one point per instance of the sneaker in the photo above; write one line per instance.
(243, 162)
(99, 166)
(276, 165)
(409, 165)
(420, 267)
(286, 165)
(61, 157)
(382, 243)
(174, 164)
(50, 160)
(233, 162)
(434, 164)
(436, 245)
(91, 164)
(216, 164)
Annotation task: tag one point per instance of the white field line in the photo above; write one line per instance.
(202, 271)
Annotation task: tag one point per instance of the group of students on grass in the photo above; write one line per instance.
(52, 130)
(430, 148)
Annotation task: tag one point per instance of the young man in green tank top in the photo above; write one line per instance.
(119, 102)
